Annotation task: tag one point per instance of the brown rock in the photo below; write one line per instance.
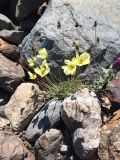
(12, 148)
(11, 74)
(109, 148)
(113, 89)
(9, 51)
(49, 144)
(24, 104)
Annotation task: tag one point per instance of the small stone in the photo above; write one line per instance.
(9, 51)
(11, 74)
(64, 149)
(49, 144)
(27, 100)
(5, 23)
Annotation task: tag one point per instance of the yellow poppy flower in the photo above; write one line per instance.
(32, 75)
(43, 70)
(42, 53)
(70, 67)
(31, 61)
(82, 59)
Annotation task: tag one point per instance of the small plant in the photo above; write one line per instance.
(55, 87)
(106, 76)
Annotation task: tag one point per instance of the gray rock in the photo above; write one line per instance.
(48, 145)
(5, 23)
(65, 22)
(25, 7)
(82, 115)
(26, 101)
(48, 117)
(11, 74)
(13, 36)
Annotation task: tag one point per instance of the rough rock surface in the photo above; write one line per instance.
(3, 123)
(82, 115)
(109, 148)
(5, 23)
(13, 36)
(48, 145)
(12, 148)
(65, 22)
(9, 51)
(48, 117)
(11, 74)
(2, 111)
(82, 109)
(23, 105)
(113, 89)
(25, 7)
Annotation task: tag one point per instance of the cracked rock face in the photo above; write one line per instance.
(65, 22)
(82, 115)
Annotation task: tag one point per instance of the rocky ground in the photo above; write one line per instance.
(83, 126)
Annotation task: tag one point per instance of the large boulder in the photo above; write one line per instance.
(92, 25)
